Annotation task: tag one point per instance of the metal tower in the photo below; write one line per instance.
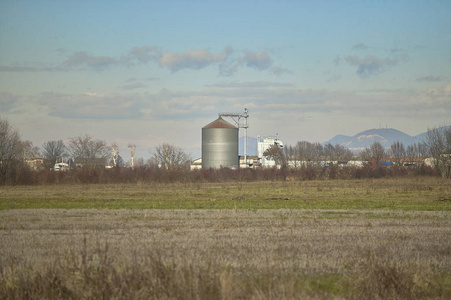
(236, 118)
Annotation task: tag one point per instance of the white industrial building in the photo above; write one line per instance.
(264, 144)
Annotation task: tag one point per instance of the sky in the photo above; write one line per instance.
(153, 72)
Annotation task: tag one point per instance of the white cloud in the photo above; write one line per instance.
(8, 102)
(261, 96)
(259, 60)
(89, 105)
(397, 50)
(430, 78)
(142, 54)
(134, 85)
(250, 84)
(360, 46)
(192, 59)
(20, 69)
(177, 116)
(31, 67)
(227, 69)
(334, 78)
(440, 96)
(279, 70)
(370, 65)
(83, 59)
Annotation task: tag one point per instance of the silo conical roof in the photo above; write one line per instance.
(220, 123)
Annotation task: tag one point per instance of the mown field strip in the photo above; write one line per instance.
(428, 193)
(223, 204)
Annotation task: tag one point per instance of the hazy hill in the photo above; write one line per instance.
(251, 145)
(385, 136)
(364, 139)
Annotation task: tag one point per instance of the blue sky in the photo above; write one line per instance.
(148, 72)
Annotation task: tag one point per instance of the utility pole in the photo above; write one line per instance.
(236, 118)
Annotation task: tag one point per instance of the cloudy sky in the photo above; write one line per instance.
(148, 72)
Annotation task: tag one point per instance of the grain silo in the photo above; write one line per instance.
(220, 145)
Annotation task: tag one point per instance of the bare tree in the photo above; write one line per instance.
(343, 153)
(412, 154)
(291, 156)
(423, 149)
(336, 153)
(439, 140)
(439, 143)
(52, 151)
(365, 155)
(318, 152)
(398, 151)
(412, 151)
(171, 157)
(377, 152)
(302, 150)
(274, 152)
(309, 152)
(329, 152)
(87, 151)
(11, 152)
(29, 150)
(139, 162)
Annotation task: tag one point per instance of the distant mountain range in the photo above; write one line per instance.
(360, 141)
(385, 136)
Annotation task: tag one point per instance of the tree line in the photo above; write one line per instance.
(437, 145)
(19, 157)
(306, 153)
(88, 153)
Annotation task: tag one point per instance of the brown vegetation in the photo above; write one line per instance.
(26, 176)
(224, 254)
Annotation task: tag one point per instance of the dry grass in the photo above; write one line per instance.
(224, 254)
(358, 239)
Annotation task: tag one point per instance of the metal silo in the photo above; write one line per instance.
(220, 145)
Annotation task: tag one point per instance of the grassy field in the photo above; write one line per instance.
(418, 193)
(365, 239)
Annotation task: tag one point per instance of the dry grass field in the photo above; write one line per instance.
(369, 239)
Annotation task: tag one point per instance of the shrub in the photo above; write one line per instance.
(25, 176)
(378, 279)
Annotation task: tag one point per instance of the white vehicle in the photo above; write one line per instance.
(61, 167)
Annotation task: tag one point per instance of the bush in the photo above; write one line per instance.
(377, 279)
(95, 274)
(25, 176)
